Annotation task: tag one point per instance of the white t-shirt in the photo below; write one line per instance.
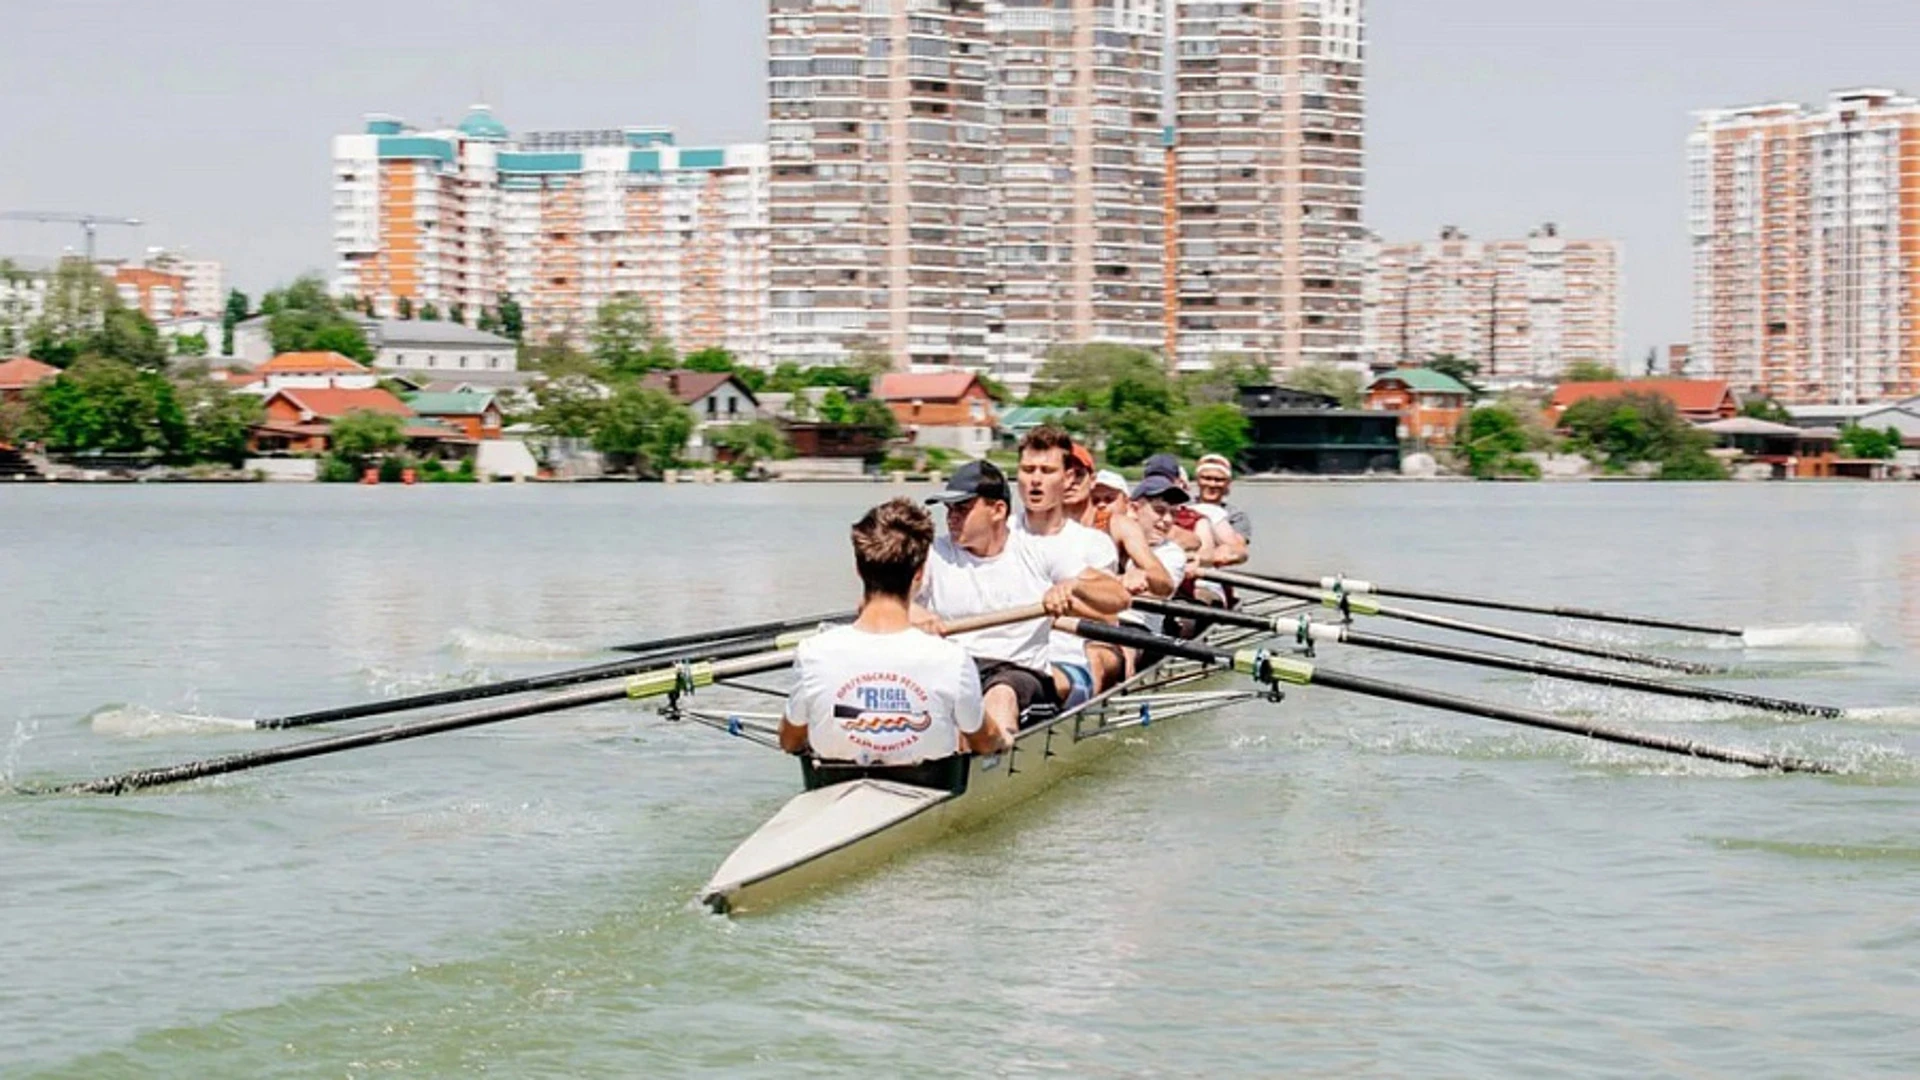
(884, 699)
(1174, 558)
(960, 584)
(1085, 549)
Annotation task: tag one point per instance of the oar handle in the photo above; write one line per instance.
(996, 618)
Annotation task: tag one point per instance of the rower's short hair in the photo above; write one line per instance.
(1049, 437)
(890, 545)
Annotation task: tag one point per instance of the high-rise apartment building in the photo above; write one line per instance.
(1521, 309)
(881, 179)
(560, 221)
(1806, 248)
(959, 182)
(1270, 100)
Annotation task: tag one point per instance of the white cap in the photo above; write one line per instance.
(1214, 463)
(1107, 478)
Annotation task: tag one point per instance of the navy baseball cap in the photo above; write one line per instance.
(1163, 465)
(974, 480)
(1157, 486)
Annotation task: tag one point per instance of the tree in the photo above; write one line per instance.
(512, 321)
(363, 434)
(645, 427)
(235, 313)
(1634, 427)
(188, 344)
(1222, 381)
(1590, 371)
(1863, 442)
(1344, 384)
(625, 340)
(303, 318)
(1460, 371)
(403, 307)
(1765, 408)
(750, 443)
(712, 358)
(219, 421)
(429, 313)
(1219, 429)
(107, 405)
(487, 321)
(569, 405)
(458, 314)
(1491, 439)
(129, 336)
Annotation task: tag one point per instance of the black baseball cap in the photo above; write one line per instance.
(1163, 465)
(1157, 486)
(974, 480)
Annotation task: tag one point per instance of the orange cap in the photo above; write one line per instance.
(1082, 455)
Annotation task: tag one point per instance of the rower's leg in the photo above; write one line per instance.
(1108, 664)
(1002, 707)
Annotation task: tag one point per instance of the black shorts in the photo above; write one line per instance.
(1029, 687)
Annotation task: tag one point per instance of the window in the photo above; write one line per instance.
(713, 406)
(733, 406)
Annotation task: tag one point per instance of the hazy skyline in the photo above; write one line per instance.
(211, 119)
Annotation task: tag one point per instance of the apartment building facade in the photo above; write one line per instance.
(969, 183)
(1270, 166)
(1522, 309)
(561, 221)
(1805, 225)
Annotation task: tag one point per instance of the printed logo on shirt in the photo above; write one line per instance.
(882, 712)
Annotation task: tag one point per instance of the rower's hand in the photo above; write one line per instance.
(1005, 742)
(1135, 579)
(1059, 600)
(927, 623)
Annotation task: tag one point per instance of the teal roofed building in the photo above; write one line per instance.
(480, 123)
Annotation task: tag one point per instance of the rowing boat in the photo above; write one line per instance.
(833, 829)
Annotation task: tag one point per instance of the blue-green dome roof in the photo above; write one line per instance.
(482, 124)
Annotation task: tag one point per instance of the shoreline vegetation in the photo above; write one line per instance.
(126, 405)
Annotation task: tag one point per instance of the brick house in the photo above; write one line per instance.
(1430, 403)
(951, 410)
(300, 419)
(1700, 401)
(476, 416)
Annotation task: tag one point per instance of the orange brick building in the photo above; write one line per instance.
(1430, 403)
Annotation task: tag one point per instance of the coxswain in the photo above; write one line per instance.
(983, 564)
(1053, 468)
(879, 695)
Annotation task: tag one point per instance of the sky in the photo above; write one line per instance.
(210, 119)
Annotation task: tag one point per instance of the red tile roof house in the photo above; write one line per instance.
(947, 409)
(300, 420)
(1700, 401)
(314, 370)
(716, 399)
(21, 374)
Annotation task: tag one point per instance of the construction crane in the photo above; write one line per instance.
(89, 223)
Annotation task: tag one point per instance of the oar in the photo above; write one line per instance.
(1367, 605)
(1277, 669)
(1351, 585)
(1305, 631)
(712, 645)
(776, 626)
(650, 684)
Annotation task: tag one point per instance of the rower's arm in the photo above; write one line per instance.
(1229, 547)
(1099, 595)
(1139, 552)
(793, 737)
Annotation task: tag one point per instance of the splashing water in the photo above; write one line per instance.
(1890, 715)
(489, 644)
(1807, 636)
(395, 682)
(23, 733)
(141, 722)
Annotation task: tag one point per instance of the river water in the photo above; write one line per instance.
(1332, 886)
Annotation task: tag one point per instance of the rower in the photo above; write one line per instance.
(1232, 529)
(1190, 530)
(879, 695)
(1153, 504)
(1052, 466)
(983, 565)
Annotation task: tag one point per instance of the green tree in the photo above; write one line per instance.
(1863, 442)
(457, 313)
(1335, 382)
(188, 344)
(1491, 439)
(429, 313)
(1222, 381)
(1765, 408)
(107, 405)
(1634, 427)
(513, 322)
(750, 443)
(403, 307)
(625, 340)
(219, 421)
(303, 318)
(129, 336)
(1219, 429)
(487, 321)
(237, 309)
(646, 428)
(569, 405)
(1459, 370)
(1122, 395)
(363, 434)
(72, 312)
(713, 359)
(1590, 371)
